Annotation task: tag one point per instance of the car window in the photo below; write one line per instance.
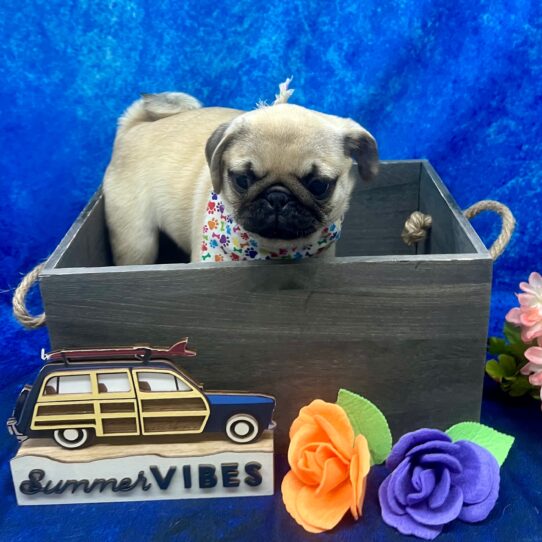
(51, 387)
(67, 384)
(156, 381)
(113, 383)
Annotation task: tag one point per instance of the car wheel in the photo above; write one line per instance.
(72, 438)
(242, 428)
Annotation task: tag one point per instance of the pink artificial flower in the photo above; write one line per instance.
(529, 314)
(534, 367)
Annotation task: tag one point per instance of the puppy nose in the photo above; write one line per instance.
(277, 198)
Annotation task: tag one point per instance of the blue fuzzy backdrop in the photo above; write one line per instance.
(459, 83)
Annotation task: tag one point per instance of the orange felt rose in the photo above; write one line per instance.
(329, 468)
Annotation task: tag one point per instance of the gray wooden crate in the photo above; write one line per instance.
(404, 326)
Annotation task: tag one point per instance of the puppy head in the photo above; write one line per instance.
(285, 171)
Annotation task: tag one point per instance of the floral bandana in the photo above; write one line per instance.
(226, 241)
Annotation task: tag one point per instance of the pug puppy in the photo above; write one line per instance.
(226, 184)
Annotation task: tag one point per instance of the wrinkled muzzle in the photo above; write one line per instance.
(277, 214)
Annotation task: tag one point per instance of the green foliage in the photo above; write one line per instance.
(510, 358)
(367, 419)
(517, 386)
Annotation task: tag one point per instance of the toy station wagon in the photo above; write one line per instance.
(116, 392)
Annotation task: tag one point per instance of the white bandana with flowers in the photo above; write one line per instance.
(226, 241)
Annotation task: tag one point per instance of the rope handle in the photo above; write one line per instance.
(418, 225)
(20, 310)
(507, 218)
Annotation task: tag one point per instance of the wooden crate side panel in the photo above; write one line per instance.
(450, 232)
(409, 335)
(87, 242)
(378, 211)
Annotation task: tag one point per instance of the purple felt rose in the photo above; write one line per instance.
(435, 481)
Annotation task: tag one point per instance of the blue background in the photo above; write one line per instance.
(459, 83)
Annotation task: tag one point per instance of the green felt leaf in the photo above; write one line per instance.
(497, 443)
(494, 370)
(367, 419)
(512, 333)
(535, 393)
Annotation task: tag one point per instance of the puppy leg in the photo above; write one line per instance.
(132, 232)
(138, 247)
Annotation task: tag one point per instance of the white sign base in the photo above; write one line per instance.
(43, 473)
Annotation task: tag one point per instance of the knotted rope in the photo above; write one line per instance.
(416, 227)
(418, 224)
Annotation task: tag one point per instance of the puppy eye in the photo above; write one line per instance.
(242, 181)
(318, 188)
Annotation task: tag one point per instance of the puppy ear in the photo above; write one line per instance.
(361, 146)
(214, 149)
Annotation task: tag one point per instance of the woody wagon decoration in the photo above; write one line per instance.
(91, 400)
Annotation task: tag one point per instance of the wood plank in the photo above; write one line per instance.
(119, 425)
(73, 408)
(407, 333)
